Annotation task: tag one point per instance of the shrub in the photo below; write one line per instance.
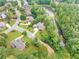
(23, 17)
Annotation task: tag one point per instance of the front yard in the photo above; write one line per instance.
(11, 36)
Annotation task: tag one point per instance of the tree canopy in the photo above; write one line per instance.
(23, 17)
(2, 2)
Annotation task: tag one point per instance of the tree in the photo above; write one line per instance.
(2, 2)
(40, 18)
(68, 20)
(70, 1)
(3, 39)
(23, 17)
(36, 43)
(14, 3)
(24, 33)
(37, 10)
(39, 1)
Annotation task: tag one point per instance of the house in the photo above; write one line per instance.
(29, 19)
(27, 8)
(2, 25)
(18, 43)
(39, 25)
(3, 15)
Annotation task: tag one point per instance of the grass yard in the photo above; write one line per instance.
(11, 36)
(26, 39)
(12, 22)
(23, 26)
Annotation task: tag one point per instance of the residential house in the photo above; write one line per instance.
(2, 25)
(29, 19)
(3, 15)
(39, 25)
(18, 43)
(27, 8)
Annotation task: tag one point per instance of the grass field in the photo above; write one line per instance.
(11, 36)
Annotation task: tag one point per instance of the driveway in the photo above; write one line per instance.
(16, 24)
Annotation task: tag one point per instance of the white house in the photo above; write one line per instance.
(39, 25)
(3, 15)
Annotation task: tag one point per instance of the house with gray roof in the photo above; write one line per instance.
(27, 8)
(39, 25)
(18, 43)
(3, 15)
(2, 25)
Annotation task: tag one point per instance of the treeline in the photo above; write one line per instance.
(68, 18)
(39, 1)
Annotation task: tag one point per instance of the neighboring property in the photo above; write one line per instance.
(39, 25)
(29, 19)
(27, 9)
(2, 25)
(18, 43)
(3, 15)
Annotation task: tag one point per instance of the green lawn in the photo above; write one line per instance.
(3, 29)
(12, 22)
(26, 39)
(12, 36)
(23, 26)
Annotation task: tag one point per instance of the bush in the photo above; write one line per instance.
(23, 17)
(36, 43)
(24, 33)
(3, 39)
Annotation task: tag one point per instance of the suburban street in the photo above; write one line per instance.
(16, 23)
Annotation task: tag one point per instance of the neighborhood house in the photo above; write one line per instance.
(2, 25)
(39, 25)
(18, 43)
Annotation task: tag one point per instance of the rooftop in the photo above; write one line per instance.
(18, 43)
(39, 25)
